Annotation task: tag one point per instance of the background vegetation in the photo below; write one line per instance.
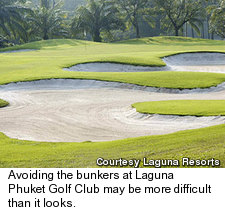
(109, 20)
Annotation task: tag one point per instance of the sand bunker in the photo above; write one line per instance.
(112, 67)
(17, 51)
(68, 84)
(91, 114)
(88, 110)
(199, 62)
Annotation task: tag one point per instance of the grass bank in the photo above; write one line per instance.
(203, 143)
(183, 107)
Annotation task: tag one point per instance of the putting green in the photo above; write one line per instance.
(183, 107)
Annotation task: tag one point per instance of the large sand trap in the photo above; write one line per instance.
(87, 114)
(88, 110)
(113, 67)
(65, 84)
(199, 62)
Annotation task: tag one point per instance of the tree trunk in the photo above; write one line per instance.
(192, 33)
(203, 31)
(207, 19)
(176, 32)
(137, 31)
(45, 37)
(212, 36)
(186, 29)
(96, 36)
(158, 26)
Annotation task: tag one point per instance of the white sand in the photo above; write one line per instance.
(199, 62)
(113, 67)
(65, 84)
(87, 114)
(17, 51)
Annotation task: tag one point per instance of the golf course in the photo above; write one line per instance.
(67, 102)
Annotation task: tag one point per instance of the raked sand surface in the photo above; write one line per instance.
(92, 114)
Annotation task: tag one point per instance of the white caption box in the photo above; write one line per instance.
(83, 194)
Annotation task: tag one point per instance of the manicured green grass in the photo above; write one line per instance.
(3, 103)
(52, 55)
(203, 143)
(50, 58)
(183, 107)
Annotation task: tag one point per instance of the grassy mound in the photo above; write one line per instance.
(205, 143)
(3, 103)
(183, 107)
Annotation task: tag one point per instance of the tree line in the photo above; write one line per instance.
(108, 20)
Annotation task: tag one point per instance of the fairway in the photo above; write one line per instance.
(97, 105)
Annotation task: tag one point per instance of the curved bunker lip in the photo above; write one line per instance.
(90, 114)
(75, 84)
(113, 67)
(200, 62)
(197, 62)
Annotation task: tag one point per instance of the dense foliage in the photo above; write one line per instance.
(47, 21)
(96, 17)
(217, 21)
(103, 20)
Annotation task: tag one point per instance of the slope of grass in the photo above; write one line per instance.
(183, 107)
(3, 103)
(52, 55)
(50, 58)
(203, 143)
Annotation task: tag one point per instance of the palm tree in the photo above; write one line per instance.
(179, 12)
(95, 17)
(133, 11)
(196, 25)
(217, 19)
(210, 5)
(3, 41)
(12, 18)
(47, 21)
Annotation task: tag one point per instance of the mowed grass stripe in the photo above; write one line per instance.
(183, 107)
